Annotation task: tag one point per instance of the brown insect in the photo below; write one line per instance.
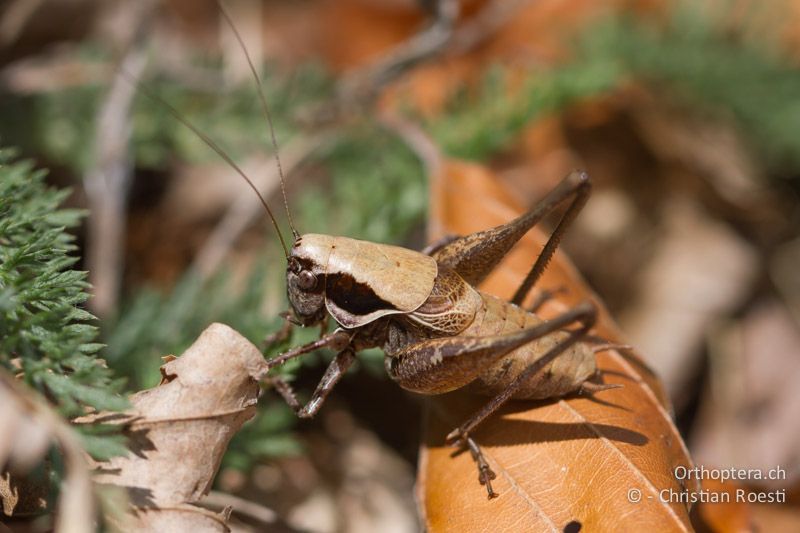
(423, 309)
(438, 331)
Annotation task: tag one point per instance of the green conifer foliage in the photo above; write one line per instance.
(45, 334)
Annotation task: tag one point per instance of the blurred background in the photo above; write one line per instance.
(686, 114)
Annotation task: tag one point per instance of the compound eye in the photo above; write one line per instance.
(306, 280)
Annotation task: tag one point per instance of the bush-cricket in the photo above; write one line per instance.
(438, 331)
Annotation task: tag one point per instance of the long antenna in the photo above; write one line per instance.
(211, 144)
(267, 114)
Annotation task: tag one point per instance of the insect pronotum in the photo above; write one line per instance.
(438, 331)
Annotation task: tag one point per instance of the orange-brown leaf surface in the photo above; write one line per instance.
(561, 463)
(527, 33)
(724, 517)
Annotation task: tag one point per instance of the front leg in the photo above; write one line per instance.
(283, 334)
(336, 340)
(287, 329)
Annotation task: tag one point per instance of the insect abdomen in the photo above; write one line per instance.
(563, 375)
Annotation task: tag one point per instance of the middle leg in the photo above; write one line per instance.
(336, 369)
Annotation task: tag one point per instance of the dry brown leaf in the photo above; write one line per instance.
(715, 270)
(561, 463)
(760, 428)
(28, 426)
(357, 32)
(180, 429)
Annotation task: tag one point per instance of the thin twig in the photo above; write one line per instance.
(485, 24)
(361, 86)
(109, 175)
(107, 183)
(416, 139)
(357, 89)
(421, 46)
(16, 16)
(220, 500)
(52, 71)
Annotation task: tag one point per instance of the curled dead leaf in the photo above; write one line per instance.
(28, 427)
(602, 463)
(180, 429)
